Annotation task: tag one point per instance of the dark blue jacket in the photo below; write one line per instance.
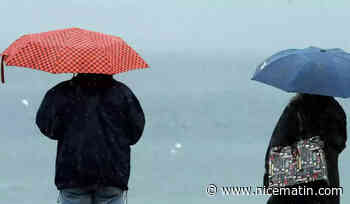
(95, 120)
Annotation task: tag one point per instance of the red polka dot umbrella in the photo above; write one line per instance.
(72, 50)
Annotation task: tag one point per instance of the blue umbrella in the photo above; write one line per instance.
(311, 70)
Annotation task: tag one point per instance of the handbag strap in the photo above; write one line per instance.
(300, 122)
(304, 127)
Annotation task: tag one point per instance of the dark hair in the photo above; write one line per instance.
(312, 101)
(93, 80)
(312, 108)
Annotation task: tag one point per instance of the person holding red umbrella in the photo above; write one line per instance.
(94, 118)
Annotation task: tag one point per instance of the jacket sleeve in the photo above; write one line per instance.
(135, 117)
(46, 115)
(335, 127)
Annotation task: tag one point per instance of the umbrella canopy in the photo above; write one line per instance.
(72, 50)
(311, 70)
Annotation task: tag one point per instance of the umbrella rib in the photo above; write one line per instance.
(275, 61)
(343, 90)
(342, 57)
(348, 60)
(292, 80)
(103, 50)
(59, 51)
(299, 73)
(22, 46)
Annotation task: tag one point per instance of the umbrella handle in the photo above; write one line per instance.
(2, 69)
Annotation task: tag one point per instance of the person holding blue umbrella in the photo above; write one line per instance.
(311, 132)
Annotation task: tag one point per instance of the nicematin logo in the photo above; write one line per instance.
(213, 190)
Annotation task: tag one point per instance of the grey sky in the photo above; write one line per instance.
(192, 25)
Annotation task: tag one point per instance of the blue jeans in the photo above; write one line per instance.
(91, 195)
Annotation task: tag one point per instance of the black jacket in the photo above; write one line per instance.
(95, 120)
(320, 115)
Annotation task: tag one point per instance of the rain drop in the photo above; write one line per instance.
(25, 102)
(178, 145)
(173, 151)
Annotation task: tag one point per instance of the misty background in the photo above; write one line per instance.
(206, 121)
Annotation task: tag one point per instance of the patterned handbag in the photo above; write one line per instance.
(300, 163)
